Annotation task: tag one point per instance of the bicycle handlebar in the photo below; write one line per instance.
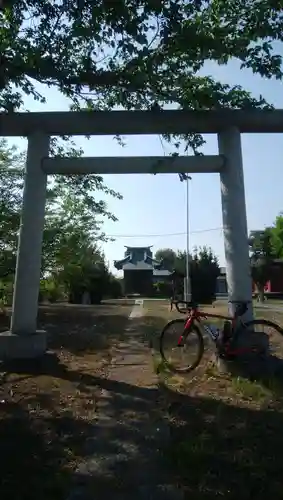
(240, 302)
(188, 305)
(241, 309)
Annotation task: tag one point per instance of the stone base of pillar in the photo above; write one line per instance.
(22, 346)
(253, 365)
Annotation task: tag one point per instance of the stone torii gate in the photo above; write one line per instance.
(24, 340)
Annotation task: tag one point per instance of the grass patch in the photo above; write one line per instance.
(160, 366)
(250, 389)
(165, 374)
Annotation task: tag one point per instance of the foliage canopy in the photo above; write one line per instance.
(137, 54)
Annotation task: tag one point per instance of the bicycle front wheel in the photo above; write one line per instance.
(187, 356)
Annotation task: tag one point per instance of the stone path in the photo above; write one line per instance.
(123, 456)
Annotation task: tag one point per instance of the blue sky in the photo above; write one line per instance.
(153, 211)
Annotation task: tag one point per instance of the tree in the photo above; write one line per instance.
(167, 257)
(204, 271)
(136, 54)
(74, 260)
(73, 224)
(84, 271)
(114, 287)
(276, 233)
(181, 262)
(171, 260)
(261, 258)
(11, 185)
(72, 217)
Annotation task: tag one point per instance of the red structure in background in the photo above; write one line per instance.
(275, 284)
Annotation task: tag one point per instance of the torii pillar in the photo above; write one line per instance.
(24, 340)
(234, 216)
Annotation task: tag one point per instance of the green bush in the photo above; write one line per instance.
(51, 290)
(6, 293)
(114, 287)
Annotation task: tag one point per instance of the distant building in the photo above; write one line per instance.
(221, 283)
(140, 271)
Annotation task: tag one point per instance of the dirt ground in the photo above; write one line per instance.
(97, 417)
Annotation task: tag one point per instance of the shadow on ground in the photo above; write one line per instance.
(80, 329)
(122, 441)
(219, 450)
(206, 448)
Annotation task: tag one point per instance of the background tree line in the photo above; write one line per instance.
(266, 247)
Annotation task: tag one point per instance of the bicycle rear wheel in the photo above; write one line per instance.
(186, 357)
(268, 336)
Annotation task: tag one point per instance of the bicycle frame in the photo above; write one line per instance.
(196, 315)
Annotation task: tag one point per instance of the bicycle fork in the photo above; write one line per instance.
(186, 332)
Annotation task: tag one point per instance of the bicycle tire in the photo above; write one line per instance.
(265, 322)
(258, 322)
(200, 350)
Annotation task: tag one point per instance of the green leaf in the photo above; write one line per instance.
(137, 54)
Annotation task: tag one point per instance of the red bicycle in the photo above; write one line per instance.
(187, 346)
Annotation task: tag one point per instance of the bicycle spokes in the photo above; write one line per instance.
(180, 347)
(260, 340)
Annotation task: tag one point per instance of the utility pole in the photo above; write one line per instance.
(187, 290)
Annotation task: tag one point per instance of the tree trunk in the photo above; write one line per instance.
(261, 295)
